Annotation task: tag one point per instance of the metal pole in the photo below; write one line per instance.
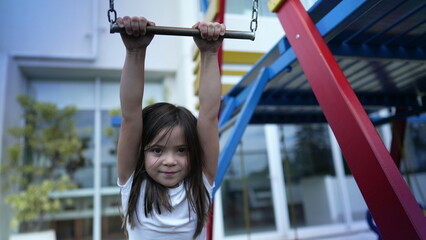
(179, 31)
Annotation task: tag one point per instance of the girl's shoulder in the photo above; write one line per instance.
(208, 186)
(127, 184)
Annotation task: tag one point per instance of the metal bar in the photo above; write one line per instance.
(377, 176)
(226, 112)
(179, 31)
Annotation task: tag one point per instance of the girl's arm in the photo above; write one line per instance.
(131, 93)
(209, 94)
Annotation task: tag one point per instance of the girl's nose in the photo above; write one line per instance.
(169, 160)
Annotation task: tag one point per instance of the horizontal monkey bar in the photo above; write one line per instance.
(179, 31)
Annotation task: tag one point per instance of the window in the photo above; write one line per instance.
(62, 94)
(108, 151)
(415, 146)
(93, 98)
(82, 172)
(413, 164)
(309, 175)
(246, 188)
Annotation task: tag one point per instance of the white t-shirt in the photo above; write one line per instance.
(179, 224)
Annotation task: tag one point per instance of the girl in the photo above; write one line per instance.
(167, 160)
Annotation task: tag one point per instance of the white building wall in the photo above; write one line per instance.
(78, 29)
(268, 33)
(75, 35)
(12, 83)
(70, 39)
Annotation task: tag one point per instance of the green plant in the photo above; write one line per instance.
(47, 147)
(34, 202)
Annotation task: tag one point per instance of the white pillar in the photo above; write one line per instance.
(276, 173)
(341, 179)
(97, 200)
(4, 228)
(184, 76)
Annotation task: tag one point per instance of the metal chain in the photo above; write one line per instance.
(254, 15)
(112, 11)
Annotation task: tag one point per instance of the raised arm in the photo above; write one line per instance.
(209, 94)
(131, 93)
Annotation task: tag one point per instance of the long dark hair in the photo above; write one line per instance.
(165, 116)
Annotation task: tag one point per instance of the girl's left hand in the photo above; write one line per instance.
(211, 36)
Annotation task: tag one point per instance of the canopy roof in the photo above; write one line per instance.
(379, 44)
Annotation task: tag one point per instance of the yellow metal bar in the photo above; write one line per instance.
(196, 84)
(233, 72)
(230, 57)
(197, 64)
(241, 57)
(195, 52)
(235, 57)
(212, 11)
(226, 88)
(274, 5)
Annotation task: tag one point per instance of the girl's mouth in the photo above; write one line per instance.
(169, 173)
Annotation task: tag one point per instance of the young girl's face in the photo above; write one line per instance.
(166, 158)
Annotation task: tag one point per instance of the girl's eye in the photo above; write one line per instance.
(182, 150)
(156, 150)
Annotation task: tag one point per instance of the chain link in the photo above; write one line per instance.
(112, 11)
(254, 15)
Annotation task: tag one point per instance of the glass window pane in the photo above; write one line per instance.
(63, 93)
(413, 164)
(82, 172)
(74, 220)
(109, 151)
(154, 92)
(77, 225)
(246, 189)
(110, 94)
(311, 185)
(111, 218)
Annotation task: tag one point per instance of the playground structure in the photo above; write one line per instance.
(400, 23)
(339, 62)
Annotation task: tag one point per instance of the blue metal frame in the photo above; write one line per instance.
(204, 5)
(250, 104)
(325, 25)
(252, 94)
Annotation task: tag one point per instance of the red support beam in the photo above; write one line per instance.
(220, 17)
(388, 197)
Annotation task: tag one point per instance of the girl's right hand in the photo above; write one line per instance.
(211, 36)
(135, 37)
